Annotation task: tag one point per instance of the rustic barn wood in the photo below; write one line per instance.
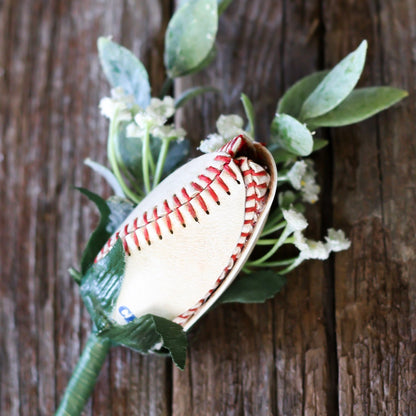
(338, 340)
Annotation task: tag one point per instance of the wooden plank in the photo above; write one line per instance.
(374, 198)
(51, 84)
(272, 358)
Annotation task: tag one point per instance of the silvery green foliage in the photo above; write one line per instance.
(190, 37)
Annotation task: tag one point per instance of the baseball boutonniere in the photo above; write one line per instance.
(181, 236)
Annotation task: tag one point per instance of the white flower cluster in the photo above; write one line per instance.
(122, 107)
(119, 105)
(302, 176)
(154, 118)
(228, 127)
(311, 249)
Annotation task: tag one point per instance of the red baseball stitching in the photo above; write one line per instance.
(255, 193)
(131, 228)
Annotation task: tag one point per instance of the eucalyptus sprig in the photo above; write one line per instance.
(144, 146)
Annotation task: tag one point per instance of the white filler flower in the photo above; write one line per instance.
(230, 126)
(212, 143)
(310, 249)
(295, 220)
(119, 104)
(336, 240)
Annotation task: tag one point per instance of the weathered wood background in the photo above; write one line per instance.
(340, 339)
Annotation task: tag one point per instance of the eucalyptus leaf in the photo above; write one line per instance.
(190, 36)
(361, 104)
(293, 99)
(336, 86)
(291, 135)
(281, 155)
(222, 4)
(106, 174)
(249, 110)
(254, 288)
(123, 69)
(100, 235)
(192, 93)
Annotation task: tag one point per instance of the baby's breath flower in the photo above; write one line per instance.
(212, 143)
(309, 188)
(230, 126)
(133, 130)
(336, 240)
(144, 120)
(169, 131)
(119, 103)
(310, 249)
(302, 177)
(295, 220)
(296, 173)
(162, 109)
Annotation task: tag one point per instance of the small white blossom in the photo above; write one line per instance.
(296, 173)
(161, 109)
(145, 120)
(169, 131)
(336, 240)
(295, 220)
(309, 188)
(119, 103)
(133, 130)
(310, 249)
(230, 126)
(212, 143)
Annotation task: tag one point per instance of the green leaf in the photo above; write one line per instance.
(123, 69)
(361, 104)
(249, 110)
(254, 288)
(178, 153)
(294, 97)
(100, 286)
(222, 5)
(120, 208)
(173, 338)
(192, 93)
(291, 135)
(286, 199)
(129, 151)
(106, 174)
(190, 36)
(100, 235)
(336, 86)
(319, 144)
(145, 334)
(75, 274)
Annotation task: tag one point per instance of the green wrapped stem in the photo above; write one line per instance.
(84, 377)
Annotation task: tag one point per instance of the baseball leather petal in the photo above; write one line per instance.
(188, 239)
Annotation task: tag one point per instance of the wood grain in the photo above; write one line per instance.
(339, 339)
(50, 88)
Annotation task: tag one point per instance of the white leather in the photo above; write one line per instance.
(176, 266)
